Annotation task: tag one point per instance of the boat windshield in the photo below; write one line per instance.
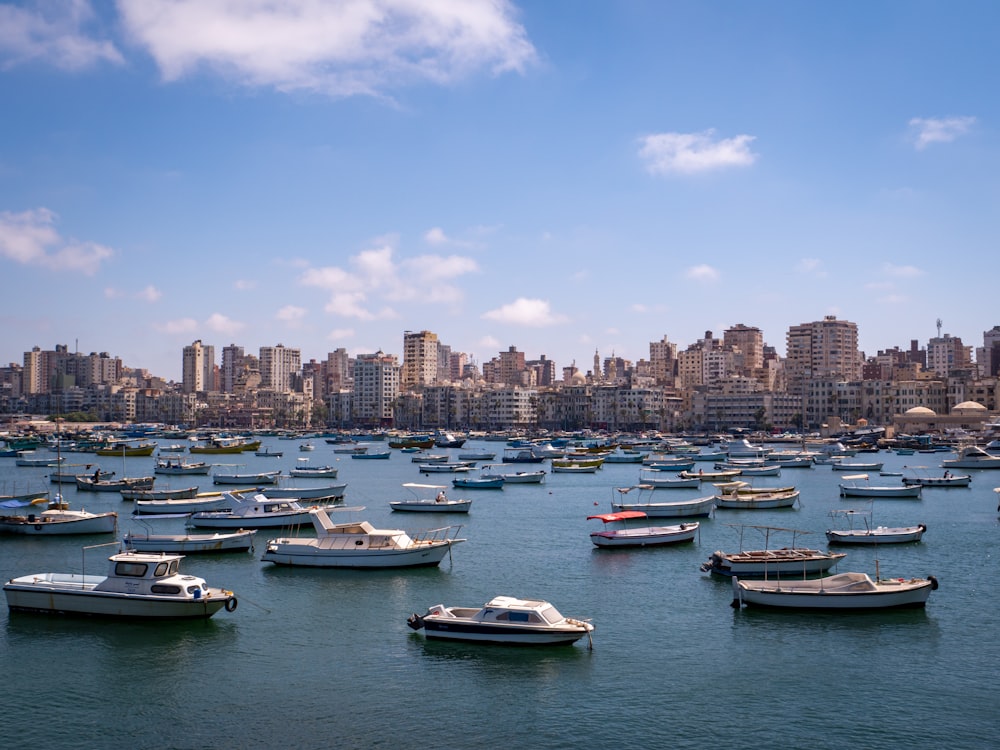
(551, 615)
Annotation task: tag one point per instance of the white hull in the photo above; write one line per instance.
(193, 505)
(63, 524)
(191, 543)
(185, 493)
(756, 502)
(305, 493)
(511, 637)
(223, 520)
(193, 469)
(270, 477)
(526, 477)
(66, 593)
(880, 535)
(701, 506)
(912, 491)
(843, 592)
(306, 554)
(645, 537)
(432, 506)
(324, 473)
(772, 563)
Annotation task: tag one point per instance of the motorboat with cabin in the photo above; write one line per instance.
(503, 620)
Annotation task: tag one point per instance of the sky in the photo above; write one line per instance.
(561, 176)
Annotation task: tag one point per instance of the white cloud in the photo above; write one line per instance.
(928, 130)
(179, 326)
(219, 323)
(535, 313)
(52, 33)
(436, 236)
(30, 238)
(376, 277)
(811, 266)
(702, 272)
(291, 314)
(344, 48)
(149, 294)
(688, 153)
(489, 343)
(340, 333)
(111, 292)
(903, 272)
(244, 285)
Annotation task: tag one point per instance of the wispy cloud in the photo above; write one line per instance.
(928, 130)
(338, 334)
(244, 285)
(55, 33)
(689, 153)
(215, 323)
(179, 326)
(811, 267)
(534, 313)
(902, 272)
(30, 238)
(219, 323)
(375, 277)
(338, 49)
(291, 315)
(702, 273)
(149, 294)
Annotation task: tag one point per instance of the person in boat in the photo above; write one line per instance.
(947, 473)
(440, 497)
(97, 475)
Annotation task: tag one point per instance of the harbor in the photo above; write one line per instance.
(672, 664)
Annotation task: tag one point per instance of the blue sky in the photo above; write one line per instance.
(558, 175)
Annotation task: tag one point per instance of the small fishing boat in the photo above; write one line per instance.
(320, 492)
(446, 467)
(90, 484)
(305, 470)
(921, 478)
(138, 585)
(478, 483)
(180, 493)
(503, 619)
(868, 533)
(441, 503)
(667, 480)
(59, 520)
(693, 508)
(177, 466)
(491, 471)
(188, 544)
(375, 455)
(639, 536)
(856, 485)
(268, 452)
(840, 592)
(180, 506)
(255, 478)
(126, 449)
(769, 561)
(31, 458)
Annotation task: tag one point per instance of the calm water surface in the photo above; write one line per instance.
(323, 658)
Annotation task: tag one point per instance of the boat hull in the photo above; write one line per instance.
(46, 597)
(240, 541)
(305, 493)
(102, 523)
(912, 491)
(297, 553)
(699, 508)
(772, 563)
(902, 535)
(645, 537)
(826, 594)
(509, 636)
(222, 520)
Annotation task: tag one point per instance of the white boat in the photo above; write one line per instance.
(769, 561)
(441, 503)
(69, 472)
(89, 484)
(760, 499)
(840, 592)
(269, 453)
(181, 506)
(512, 477)
(856, 485)
(180, 493)
(856, 465)
(173, 448)
(972, 457)
(260, 477)
(478, 483)
(694, 508)
(323, 492)
(446, 467)
(639, 536)
(304, 470)
(361, 545)
(234, 541)
(30, 458)
(867, 533)
(477, 456)
(373, 455)
(138, 585)
(503, 619)
(307, 447)
(743, 448)
(59, 520)
(667, 480)
(922, 478)
(180, 466)
(255, 512)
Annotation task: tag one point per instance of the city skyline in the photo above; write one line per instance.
(491, 173)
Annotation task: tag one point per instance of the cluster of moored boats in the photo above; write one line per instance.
(144, 580)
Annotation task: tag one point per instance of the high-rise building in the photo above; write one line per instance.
(825, 349)
(278, 366)
(748, 344)
(420, 359)
(232, 366)
(946, 354)
(376, 387)
(663, 360)
(198, 368)
(988, 357)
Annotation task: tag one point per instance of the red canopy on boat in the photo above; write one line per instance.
(619, 516)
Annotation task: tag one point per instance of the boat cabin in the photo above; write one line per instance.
(151, 573)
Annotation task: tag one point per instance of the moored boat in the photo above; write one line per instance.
(441, 503)
(234, 541)
(176, 466)
(856, 485)
(138, 585)
(867, 533)
(257, 512)
(840, 592)
(256, 478)
(179, 493)
(503, 619)
(59, 520)
(693, 508)
(639, 536)
(772, 562)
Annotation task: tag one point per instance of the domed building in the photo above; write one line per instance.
(968, 415)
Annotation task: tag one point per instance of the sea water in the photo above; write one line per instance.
(323, 658)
